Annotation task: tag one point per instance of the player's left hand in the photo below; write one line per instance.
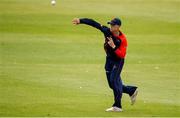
(111, 42)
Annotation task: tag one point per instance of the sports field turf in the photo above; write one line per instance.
(49, 67)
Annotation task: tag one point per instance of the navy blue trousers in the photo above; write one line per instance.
(113, 70)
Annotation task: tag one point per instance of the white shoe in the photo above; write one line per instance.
(114, 109)
(133, 97)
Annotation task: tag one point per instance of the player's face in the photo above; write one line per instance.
(115, 28)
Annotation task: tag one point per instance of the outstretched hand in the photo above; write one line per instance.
(76, 21)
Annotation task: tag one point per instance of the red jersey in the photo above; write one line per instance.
(121, 50)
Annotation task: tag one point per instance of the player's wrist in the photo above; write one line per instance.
(114, 48)
(80, 20)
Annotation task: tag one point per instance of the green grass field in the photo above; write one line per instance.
(50, 67)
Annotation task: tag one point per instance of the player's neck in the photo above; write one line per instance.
(116, 33)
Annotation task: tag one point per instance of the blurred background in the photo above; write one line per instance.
(50, 67)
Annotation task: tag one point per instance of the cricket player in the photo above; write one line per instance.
(115, 46)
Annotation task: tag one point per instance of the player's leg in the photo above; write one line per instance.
(112, 72)
(116, 83)
(129, 89)
(108, 69)
(117, 90)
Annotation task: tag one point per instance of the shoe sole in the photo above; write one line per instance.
(133, 97)
(114, 111)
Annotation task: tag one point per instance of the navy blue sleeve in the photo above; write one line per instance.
(92, 23)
